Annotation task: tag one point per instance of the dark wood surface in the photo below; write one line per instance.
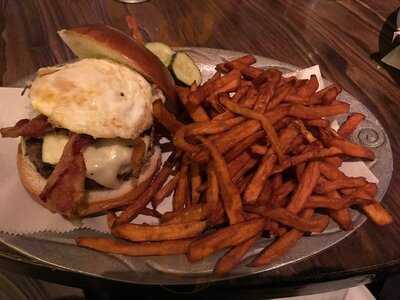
(344, 37)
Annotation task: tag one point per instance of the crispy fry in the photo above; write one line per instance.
(306, 185)
(276, 181)
(133, 209)
(109, 245)
(223, 238)
(195, 182)
(309, 88)
(196, 212)
(281, 245)
(266, 124)
(229, 192)
(212, 195)
(111, 217)
(166, 118)
(347, 147)
(148, 233)
(279, 96)
(227, 83)
(348, 182)
(181, 195)
(334, 160)
(280, 194)
(351, 123)
(257, 182)
(342, 216)
(317, 111)
(248, 166)
(150, 212)
(240, 147)
(266, 194)
(198, 114)
(377, 213)
(233, 257)
(324, 123)
(238, 163)
(259, 149)
(246, 59)
(137, 156)
(165, 191)
(284, 217)
(330, 171)
(300, 169)
(303, 130)
(133, 25)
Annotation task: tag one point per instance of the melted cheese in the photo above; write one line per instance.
(104, 160)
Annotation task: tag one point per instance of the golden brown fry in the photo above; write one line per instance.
(148, 233)
(223, 238)
(324, 123)
(242, 146)
(317, 111)
(347, 182)
(281, 215)
(109, 245)
(212, 194)
(257, 182)
(181, 195)
(134, 209)
(238, 163)
(167, 119)
(281, 245)
(309, 88)
(111, 217)
(342, 216)
(279, 195)
(165, 191)
(350, 124)
(330, 171)
(233, 257)
(266, 124)
(197, 114)
(377, 213)
(306, 185)
(137, 156)
(195, 182)
(229, 192)
(196, 212)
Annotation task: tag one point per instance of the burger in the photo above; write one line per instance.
(92, 137)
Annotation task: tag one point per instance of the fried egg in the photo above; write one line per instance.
(96, 97)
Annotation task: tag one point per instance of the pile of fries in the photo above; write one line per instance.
(258, 159)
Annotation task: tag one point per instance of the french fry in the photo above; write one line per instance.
(266, 124)
(351, 123)
(334, 160)
(148, 233)
(300, 169)
(259, 149)
(229, 192)
(279, 96)
(263, 98)
(223, 84)
(279, 194)
(150, 212)
(234, 256)
(309, 88)
(342, 216)
(135, 30)
(276, 181)
(306, 185)
(212, 195)
(281, 245)
(248, 166)
(197, 114)
(223, 238)
(303, 130)
(111, 217)
(330, 95)
(165, 191)
(137, 156)
(377, 213)
(284, 217)
(246, 59)
(195, 182)
(324, 123)
(330, 171)
(196, 212)
(266, 194)
(134, 209)
(349, 182)
(240, 147)
(243, 182)
(167, 119)
(238, 164)
(317, 111)
(257, 182)
(109, 245)
(347, 147)
(181, 195)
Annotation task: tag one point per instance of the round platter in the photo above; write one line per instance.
(59, 249)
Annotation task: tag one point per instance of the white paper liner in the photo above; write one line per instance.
(19, 214)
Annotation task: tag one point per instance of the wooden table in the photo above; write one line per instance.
(343, 37)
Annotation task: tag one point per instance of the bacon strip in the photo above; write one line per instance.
(36, 127)
(65, 188)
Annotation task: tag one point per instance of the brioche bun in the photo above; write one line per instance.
(102, 41)
(34, 183)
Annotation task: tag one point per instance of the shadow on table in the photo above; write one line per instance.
(386, 45)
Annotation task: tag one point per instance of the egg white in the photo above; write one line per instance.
(95, 97)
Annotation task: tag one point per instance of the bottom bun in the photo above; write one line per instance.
(34, 183)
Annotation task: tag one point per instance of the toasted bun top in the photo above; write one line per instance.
(102, 41)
